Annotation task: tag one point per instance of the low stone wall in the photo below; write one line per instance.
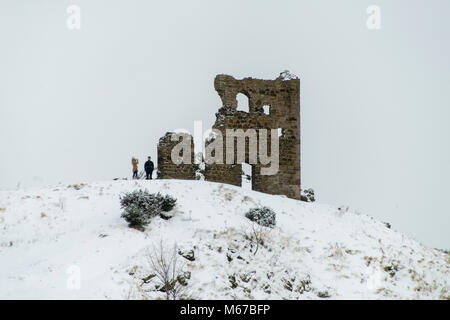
(167, 169)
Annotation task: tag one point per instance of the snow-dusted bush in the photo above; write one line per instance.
(307, 195)
(264, 216)
(140, 206)
(167, 202)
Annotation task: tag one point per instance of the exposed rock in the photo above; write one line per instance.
(189, 255)
(166, 215)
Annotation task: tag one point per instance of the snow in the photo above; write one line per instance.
(181, 131)
(287, 75)
(69, 242)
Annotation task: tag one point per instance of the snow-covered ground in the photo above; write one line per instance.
(69, 242)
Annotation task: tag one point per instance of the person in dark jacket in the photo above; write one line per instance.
(148, 166)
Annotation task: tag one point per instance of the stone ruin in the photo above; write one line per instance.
(281, 97)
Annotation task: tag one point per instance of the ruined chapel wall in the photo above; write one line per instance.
(283, 97)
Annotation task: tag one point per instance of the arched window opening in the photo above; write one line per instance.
(242, 102)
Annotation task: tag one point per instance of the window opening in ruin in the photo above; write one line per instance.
(242, 102)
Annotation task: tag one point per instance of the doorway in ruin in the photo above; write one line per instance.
(247, 176)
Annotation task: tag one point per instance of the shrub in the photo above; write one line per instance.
(140, 206)
(263, 216)
(307, 195)
(169, 272)
(257, 235)
(167, 202)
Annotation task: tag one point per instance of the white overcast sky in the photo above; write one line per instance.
(375, 104)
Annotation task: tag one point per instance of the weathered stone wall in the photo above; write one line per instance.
(283, 97)
(166, 168)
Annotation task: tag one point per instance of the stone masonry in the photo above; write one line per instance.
(166, 168)
(282, 99)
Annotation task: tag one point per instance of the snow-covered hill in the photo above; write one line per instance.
(51, 240)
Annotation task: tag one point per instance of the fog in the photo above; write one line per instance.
(76, 105)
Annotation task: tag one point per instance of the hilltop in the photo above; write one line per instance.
(316, 251)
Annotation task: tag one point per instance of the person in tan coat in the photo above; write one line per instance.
(135, 163)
